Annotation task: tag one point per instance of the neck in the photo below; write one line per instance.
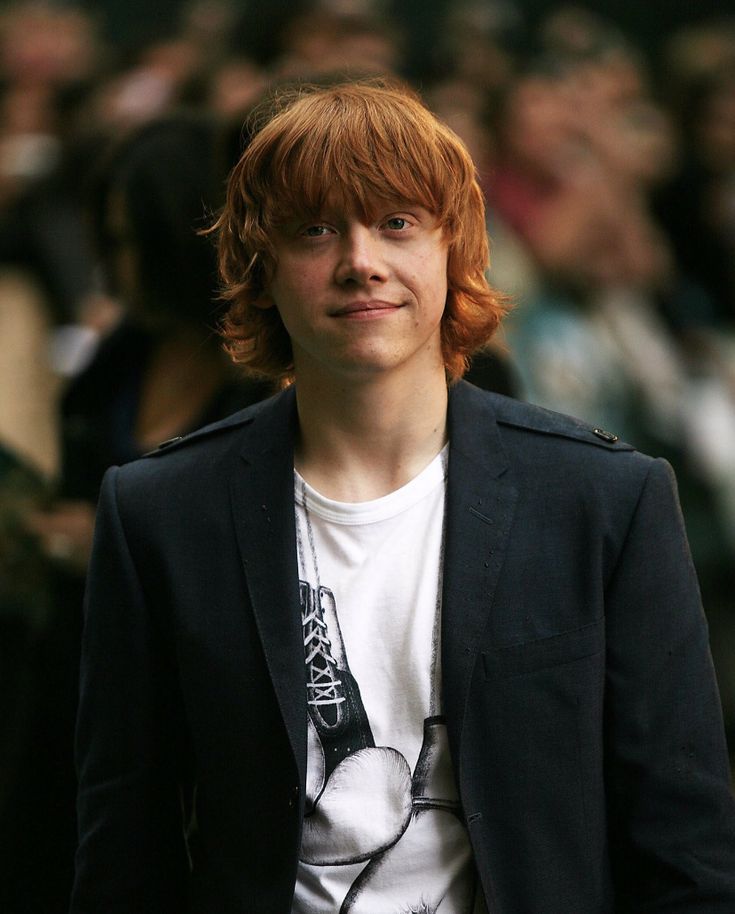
(361, 440)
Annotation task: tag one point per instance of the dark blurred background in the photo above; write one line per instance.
(604, 138)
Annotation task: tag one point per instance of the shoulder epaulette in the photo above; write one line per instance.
(546, 422)
(237, 420)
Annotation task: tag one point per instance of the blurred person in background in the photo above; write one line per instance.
(697, 209)
(160, 374)
(583, 150)
(47, 55)
(45, 51)
(594, 257)
(162, 371)
(28, 467)
(324, 40)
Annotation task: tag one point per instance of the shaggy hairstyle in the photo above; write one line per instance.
(363, 141)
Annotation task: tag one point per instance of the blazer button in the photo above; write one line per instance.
(294, 797)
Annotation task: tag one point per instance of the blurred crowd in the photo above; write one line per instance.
(610, 180)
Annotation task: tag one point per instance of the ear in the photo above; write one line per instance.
(264, 302)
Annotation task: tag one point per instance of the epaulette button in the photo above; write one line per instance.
(168, 441)
(605, 436)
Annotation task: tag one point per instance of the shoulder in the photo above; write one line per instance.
(471, 406)
(269, 414)
(564, 474)
(204, 454)
(537, 421)
(544, 451)
(208, 437)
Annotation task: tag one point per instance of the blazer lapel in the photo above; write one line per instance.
(261, 489)
(481, 500)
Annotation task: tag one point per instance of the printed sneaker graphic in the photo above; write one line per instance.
(358, 796)
(363, 804)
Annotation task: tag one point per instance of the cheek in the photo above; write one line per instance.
(434, 280)
(281, 295)
(294, 283)
(433, 298)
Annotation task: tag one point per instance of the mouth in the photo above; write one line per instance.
(375, 306)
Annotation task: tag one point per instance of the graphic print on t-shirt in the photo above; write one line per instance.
(363, 802)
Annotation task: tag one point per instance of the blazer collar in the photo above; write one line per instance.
(261, 488)
(481, 501)
(473, 431)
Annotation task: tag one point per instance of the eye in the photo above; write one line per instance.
(315, 231)
(397, 223)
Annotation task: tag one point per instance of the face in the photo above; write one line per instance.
(361, 297)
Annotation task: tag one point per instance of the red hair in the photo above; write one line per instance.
(362, 141)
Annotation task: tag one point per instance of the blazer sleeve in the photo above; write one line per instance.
(131, 857)
(670, 805)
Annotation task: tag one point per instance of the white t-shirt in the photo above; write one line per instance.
(383, 830)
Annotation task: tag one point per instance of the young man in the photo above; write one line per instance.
(386, 643)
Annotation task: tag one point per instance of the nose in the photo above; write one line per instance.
(361, 259)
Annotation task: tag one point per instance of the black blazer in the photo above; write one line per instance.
(581, 706)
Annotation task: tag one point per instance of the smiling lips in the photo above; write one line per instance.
(373, 308)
